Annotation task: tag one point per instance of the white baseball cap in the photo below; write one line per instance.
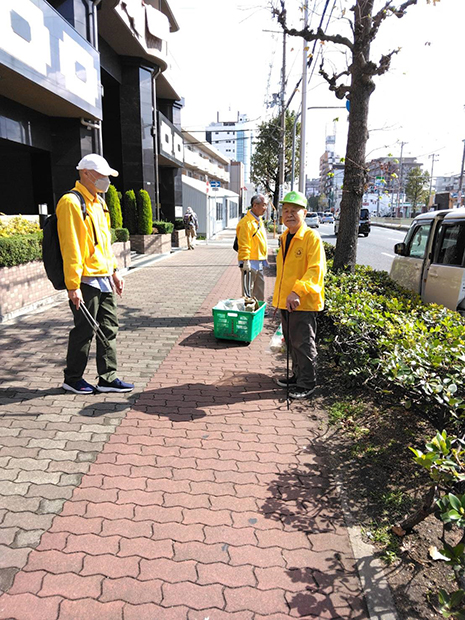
(97, 163)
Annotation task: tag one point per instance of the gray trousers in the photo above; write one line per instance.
(299, 330)
(258, 285)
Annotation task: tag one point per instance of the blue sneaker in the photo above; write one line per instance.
(78, 387)
(115, 386)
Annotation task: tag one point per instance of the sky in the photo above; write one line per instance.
(228, 55)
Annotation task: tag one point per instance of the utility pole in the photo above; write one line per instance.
(433, 159)
(303, 123)
(402, 144)
(459, 196)
(282, 150)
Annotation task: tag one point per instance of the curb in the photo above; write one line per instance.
(370, 569)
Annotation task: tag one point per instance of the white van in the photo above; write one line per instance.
(431, 259)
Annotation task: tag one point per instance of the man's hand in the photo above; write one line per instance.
(75, 296)
(292, 301)
(246, 266)
(119, 283)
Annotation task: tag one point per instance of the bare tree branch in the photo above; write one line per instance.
(310, 35)
(387, 10)
(383, 66)
(340, 90)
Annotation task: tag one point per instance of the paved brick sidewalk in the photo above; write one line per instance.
(200, 496)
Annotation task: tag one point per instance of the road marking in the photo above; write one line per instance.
(390, 255)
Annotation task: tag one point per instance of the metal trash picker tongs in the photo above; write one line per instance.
(247, 283)
(93, 323)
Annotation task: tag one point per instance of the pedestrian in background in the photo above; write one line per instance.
(299, 293)
(252, 246)
(91, 275)
(191, 226)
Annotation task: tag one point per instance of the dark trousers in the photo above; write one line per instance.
(299, 330)
(102, 307)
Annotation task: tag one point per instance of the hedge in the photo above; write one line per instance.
(179, 224)
(20, 249)
(163, 227)
(144, 213)
(114, 206)
(130, 212)
(386, 338)
(122, 234)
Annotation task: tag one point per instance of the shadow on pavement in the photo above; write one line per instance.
(305, 499)
(192, 401)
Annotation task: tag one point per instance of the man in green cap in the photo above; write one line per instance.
(299, 293)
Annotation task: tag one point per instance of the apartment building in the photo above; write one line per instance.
(206, 183)
(81, 76)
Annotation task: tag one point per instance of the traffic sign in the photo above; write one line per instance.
(215, 184)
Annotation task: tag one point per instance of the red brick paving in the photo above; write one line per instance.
(198, 501)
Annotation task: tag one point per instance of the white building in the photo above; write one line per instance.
(233, 136)
(205, 186)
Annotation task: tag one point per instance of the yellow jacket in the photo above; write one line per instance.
(85, 245)
(251, 238)
(303, 271)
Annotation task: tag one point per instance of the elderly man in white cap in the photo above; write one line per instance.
(91, 276)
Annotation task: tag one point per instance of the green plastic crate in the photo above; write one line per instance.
(237, 325)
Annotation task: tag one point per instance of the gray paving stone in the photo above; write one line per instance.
(27, 538)
(12, 488)
(49, 491)
(39, 477)
(54, 506)
(7, 576)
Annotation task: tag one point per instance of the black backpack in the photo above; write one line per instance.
(51, 252)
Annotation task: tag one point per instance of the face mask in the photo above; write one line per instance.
(102, 184)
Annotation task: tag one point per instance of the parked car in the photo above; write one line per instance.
(311, 219)
(320, 216)
(431, 259)
(364, 224)
(327, 218)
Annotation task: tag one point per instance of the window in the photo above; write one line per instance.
(451, 246)
(416, 245)
(219, 211)
(233, 210)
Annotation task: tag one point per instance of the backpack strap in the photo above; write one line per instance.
(84, 209)
(82, 202)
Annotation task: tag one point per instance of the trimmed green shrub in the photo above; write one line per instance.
(144, 213)
(20, 249)
(179, 224)
(329, 250)
(164, 228)
(113, 235)
(388, 339)
(114, 206)
(122, 234)
(130, 212)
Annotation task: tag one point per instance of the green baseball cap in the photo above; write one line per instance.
(295, 198)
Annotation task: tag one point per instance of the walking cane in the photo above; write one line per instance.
(93, 323)
(288, 402)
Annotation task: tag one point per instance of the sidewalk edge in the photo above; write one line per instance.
(372, 574)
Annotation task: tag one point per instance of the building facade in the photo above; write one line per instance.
(206, 185)
(82, 76)
(233, 136)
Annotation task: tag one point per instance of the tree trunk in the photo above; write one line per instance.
(355, 173)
